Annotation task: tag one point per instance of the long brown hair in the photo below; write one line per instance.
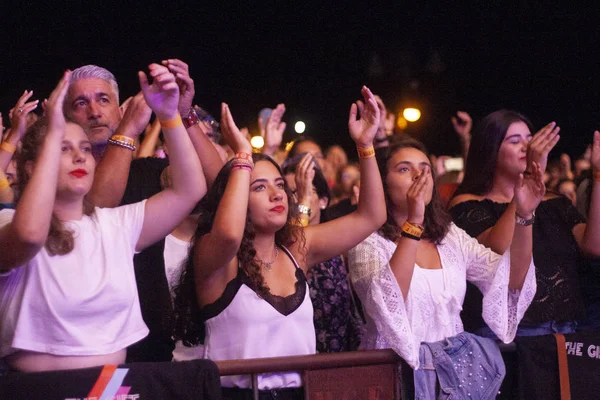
(60, 240)
(188, 324)
(437, 220)
(483, 151)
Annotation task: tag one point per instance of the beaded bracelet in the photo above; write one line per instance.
(125, 139)
(121, 144)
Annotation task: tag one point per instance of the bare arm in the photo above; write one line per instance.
(18, 126)
(215, 251)
(148, 145)
(462, 124)
(207, 153)
(274, 129)
(110, 179)
(588, 235)
(23, 238)
(498, 237)
(529, 192)
(403, 260)
(165, 210)
(324, 240)
(209, 157)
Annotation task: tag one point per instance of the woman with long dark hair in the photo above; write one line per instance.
(411, 275)
(244, 290)
(502, 148)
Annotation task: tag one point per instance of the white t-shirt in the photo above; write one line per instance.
(81, 303)
(175, 254)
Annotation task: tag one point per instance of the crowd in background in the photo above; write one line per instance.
(146, 229)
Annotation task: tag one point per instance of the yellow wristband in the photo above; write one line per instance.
(4, 183)
(121, 138)
(365, 153)
(412, 229)
(8, 147)
(171, 123)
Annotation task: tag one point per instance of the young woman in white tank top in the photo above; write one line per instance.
(243, 289)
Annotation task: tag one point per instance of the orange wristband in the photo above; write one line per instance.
(121, 138)
(4, 183)
(597, 176)
(365, 153)
(8, 147)
(171, 123)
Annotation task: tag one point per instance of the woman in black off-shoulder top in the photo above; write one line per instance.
(501, 149)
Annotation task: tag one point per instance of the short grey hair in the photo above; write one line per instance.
(94, 71)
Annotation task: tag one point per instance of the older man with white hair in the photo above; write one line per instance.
(93, 103)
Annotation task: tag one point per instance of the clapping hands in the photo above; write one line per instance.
(162, 95)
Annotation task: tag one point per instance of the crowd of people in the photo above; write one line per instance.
(145, 230)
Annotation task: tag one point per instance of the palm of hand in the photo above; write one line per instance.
(365, 128)
(529, 195)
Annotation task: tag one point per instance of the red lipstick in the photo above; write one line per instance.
(78, 173)
(278, 209)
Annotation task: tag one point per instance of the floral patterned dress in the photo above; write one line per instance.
(338, 325)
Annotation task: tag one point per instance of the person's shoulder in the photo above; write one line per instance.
(461, 198)
(551, 196)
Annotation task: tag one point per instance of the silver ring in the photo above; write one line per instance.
(20, 110)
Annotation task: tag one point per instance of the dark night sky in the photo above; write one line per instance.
(539, 60)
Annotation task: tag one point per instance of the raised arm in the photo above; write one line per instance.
(403, 260)
(112, 171)
(216, 250)
(18, 126)
(23, 238)
(462, 124)
(165, 210)
(324, 241)
(529, 192)
(588, 235)
(207, 153)
(274, 128)
(148, 145)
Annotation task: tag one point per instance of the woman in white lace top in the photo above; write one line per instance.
(411, 275)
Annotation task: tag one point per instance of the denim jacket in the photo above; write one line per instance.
(464, 366)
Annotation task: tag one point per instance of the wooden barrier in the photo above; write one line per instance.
(364, 375)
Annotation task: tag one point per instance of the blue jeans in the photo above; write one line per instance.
(525, 329)
(465, 366)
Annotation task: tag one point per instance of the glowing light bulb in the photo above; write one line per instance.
(300, 127)
(411, 114)
(257, 142)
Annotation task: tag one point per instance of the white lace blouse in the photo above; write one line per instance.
(428, 315)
